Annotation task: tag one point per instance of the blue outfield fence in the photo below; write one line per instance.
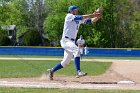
(44, 51)
(31, 51)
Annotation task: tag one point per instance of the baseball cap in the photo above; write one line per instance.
(72, 8)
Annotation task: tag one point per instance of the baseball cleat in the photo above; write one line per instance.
(80, 74)
(50, 74)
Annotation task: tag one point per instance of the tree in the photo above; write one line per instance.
(32, 38)
(119, 26)
(36, 14)
(12, 13)
(4, 7)
(23, 13)
(53, 27)
(135, 24)
(4, 40)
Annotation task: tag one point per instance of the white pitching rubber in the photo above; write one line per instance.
(126, 82)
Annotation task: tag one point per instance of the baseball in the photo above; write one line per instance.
(98, 10)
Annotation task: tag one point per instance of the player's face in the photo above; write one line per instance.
(75, 12)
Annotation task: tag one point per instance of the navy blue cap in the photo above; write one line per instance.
(72, 8)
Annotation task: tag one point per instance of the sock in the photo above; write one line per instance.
(57, 67)
(77, 63)
(81, 55)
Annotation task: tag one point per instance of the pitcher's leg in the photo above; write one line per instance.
(67, 58)
(72, 48)
(76, 53)
(62, 64)
(79, 73)
(55, 68)
(77, 63)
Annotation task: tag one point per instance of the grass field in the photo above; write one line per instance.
(30, 90)
(88, 57)
(24, 68)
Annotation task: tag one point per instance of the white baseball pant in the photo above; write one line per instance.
(70, 50)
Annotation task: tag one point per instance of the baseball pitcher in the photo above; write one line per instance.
(70, 30)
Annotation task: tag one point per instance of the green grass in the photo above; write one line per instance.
(24, 68)
(88, 57)
(43, 90)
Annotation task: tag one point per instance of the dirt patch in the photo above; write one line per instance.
(127, 69)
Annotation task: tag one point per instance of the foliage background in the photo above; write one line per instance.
(118, 28)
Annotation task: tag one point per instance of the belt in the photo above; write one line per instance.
(70, 38)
